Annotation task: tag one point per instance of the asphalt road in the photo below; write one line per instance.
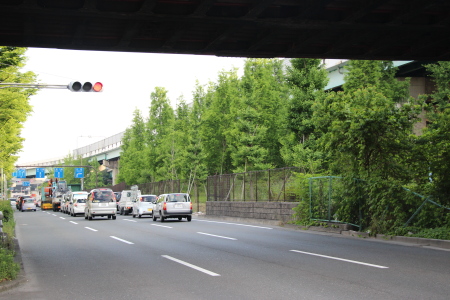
(73, 258)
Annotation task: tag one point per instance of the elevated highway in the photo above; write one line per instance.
(343, 29)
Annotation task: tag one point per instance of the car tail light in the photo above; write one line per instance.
(164, 206)
(76, 205)
(191, 206)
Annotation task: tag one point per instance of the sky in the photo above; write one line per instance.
(62, 120)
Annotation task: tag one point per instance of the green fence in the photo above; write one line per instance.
(328, 195)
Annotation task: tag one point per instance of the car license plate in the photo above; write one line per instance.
(178, 205)
(149, 209)
(28, 207)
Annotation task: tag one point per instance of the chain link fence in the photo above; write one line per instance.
(265, 185)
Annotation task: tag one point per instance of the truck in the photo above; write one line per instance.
(127, 199)
(52, 194)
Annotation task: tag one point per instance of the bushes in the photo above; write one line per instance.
(8, 268)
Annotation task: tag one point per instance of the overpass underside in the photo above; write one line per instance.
(356, 29)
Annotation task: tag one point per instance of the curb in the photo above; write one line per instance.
(415, 241)
(10, 284)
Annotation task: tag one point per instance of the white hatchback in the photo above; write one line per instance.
(144, 206)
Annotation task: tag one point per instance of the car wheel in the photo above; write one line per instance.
(161, 217)
(134, 215)
(189, 218)
(179, 218)
(90, 218)
(85, 216)
(109, 216)
(113, 217)
(154, 218)
(140, 216)
(121, 211)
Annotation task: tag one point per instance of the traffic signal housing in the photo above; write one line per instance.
(77, 86)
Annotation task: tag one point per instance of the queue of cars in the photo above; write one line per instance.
(103, 202)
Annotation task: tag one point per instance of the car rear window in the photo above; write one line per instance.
(179, 198)
(79, 196)
(103, 196)
(30, 201)
(81, 201)
(148, 198)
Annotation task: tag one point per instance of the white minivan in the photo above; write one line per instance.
(175, 205)
(100, 203)
(77, 203)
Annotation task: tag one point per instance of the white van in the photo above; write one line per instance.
(127, 199)
(77, 203)
(100, 203)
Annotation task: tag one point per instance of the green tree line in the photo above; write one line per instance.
(278, 115)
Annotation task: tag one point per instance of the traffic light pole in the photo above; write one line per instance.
(33, 86)
(54, 166)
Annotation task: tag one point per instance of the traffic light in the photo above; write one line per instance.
(76, 86)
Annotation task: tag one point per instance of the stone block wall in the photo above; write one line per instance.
(276, 211)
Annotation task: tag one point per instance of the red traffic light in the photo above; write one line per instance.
(76, 86)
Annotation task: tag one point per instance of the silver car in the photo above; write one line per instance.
(175, 205)
(144, 206)
(28, 204)
(100, 203)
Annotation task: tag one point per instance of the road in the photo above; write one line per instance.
(73, 258)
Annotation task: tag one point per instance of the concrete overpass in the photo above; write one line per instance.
(343, 29)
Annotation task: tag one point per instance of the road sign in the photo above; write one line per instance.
(59, 173)
(40, 173)
(26, 183)
(79, 173)
(21, 173)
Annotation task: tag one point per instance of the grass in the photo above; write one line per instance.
(8, 268)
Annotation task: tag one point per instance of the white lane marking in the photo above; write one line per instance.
(161, 226)
(126, 242)
(219, 236)
(342, 259)
(235, 224)
(62, 218)
(91, 228)
(53, 215)
(190, 265)
(129, 220)
(73, 222)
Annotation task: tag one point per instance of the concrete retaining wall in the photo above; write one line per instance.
(279, 211)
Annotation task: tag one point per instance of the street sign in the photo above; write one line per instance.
(40, 173)
(59, 173)
(14, 174)
(79, 173)
(21, 173)
(26, 183)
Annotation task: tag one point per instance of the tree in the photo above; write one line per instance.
(159, 127)
(306, 79)
(217, 121)
(257, 116)
(14, 105)
(133, 150)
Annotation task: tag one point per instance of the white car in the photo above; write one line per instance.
(175, 205)
(77, 203)
(144, 206)
(28, 204)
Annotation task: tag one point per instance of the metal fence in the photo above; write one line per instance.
(265, 185)
(155, 188)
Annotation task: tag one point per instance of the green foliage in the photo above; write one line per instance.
(8, 268)
(441, 233)
(14, 106)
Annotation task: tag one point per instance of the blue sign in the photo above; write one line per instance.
(40, 173)
(59, 173)
(79, 173)
(21, 173)
(14, 174)
(26, 183)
